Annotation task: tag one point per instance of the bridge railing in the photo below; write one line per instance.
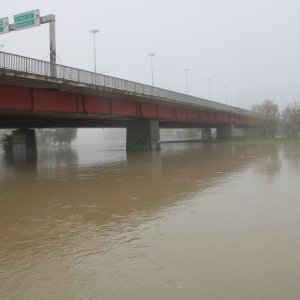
(34, 66)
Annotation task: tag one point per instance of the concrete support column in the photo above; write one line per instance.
(225, 131)
(23, 143)
(206, 134)
(142, 135)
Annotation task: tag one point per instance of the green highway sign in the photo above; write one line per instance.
(4, 25)
(28, 19)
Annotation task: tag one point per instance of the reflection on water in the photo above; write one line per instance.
(194, 221)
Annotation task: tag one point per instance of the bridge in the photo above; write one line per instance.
(38, 94)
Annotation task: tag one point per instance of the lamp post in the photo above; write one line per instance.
(209, 88)
(186, 80)
(151, 59)
(94, 31)
(226, 94)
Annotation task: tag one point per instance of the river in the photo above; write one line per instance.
(193, 221)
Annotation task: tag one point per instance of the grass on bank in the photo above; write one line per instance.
(260, 141)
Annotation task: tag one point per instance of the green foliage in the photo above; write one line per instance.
(138, 145)
(268, 117)
(56, 136)
(291, 119)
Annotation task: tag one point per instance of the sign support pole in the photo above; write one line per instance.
(51, 20)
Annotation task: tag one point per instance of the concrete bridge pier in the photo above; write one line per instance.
(23, 144)
(225, 131)
(142, 135)
(206, 134)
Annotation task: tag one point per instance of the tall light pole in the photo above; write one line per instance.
(209, 88)
(94, 31)
(186, 80)
(226, 94)
(151, 59)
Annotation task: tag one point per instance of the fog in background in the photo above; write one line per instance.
(249, 49)
(89, 136)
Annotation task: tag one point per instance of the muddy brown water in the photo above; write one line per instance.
(193, 221)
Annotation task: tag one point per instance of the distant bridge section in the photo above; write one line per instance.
(38, 94)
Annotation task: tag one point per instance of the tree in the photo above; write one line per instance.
(6, 140)
(268, 117)
(291, 119)
(56, 136)
(4, 132)
(64, 136)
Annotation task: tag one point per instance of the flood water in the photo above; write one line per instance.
(193, 221)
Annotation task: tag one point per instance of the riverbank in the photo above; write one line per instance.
(257, 141)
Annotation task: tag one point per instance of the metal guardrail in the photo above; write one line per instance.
(34, 66)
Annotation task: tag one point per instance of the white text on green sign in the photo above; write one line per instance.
(4, 25)
(28, 19)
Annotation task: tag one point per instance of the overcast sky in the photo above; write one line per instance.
(250, 46)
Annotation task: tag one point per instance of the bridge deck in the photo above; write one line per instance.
(31, 72)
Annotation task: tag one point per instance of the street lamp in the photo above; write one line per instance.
(151, 58)
(94, 31)
(186, 80)
(226, 94)
(209, 88)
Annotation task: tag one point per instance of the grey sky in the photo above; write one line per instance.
(253, 47)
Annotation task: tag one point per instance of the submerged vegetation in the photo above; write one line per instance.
(45, 137)
(56, 136)
(6, 141)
